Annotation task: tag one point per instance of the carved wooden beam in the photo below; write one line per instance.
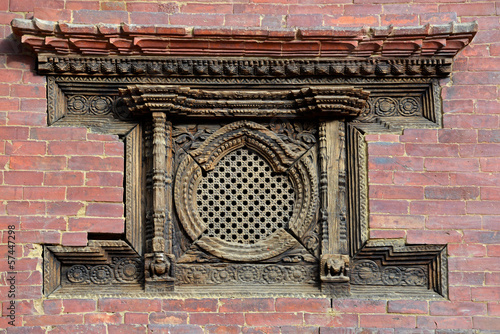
(129, 39)
(181, 100)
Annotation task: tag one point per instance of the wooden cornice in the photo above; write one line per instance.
(46, 37)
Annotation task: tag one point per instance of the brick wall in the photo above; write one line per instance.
(428, 186)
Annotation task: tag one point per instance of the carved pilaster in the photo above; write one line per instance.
(159, 152)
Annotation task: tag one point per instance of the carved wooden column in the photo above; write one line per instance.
(334, 266)
(158, 263)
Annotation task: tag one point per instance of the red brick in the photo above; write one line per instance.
(399, 20)
(383, 320)
(457, 136)
(25, 208)
(389, 206)
(493, 250)
(486, 323)
(197, 19)
(14, 133)
(302, 305)
(113, 6)
(95, 16)
(168, 318)
(459, 293)
(242, 20)
(25, 148)
(28, 5)
(351, 20)
(428, 178)
(359, 306)
(269, 9)
(381, 177)
(452, 222)
(87, 329)
(129, 329)
(129, 305)
(470, 122)
(444, 322)
(308, 20)
(386, 234)
(74, 239)
(452, 193)
(457, 309)
(101, 137)
(95, 163)
(216, 329)
(103, 318)
(8, 104)
(487, 107)
(44, 193)
(206, 8)
(419, 136)
(116, 149)
(180, 329)
(52, 306)
(489, 136)
(431, 207)
(396, 192)
(386, 149)
(64, 208)
(31, 77)
(477, 78)
(465, 278)
(494, 309)
(77, 5)
(38, 105)
(392, 221)
(362, 9)
(98, 225)
(96, 194)
(40, 237)
(492, 278)
(396, 163)
(136, 318)
(330, 320)
(146, 18)
(484, 64)
(490, 164)
(105, 210)
(42, 223)
(22, 307)
(458, 106)
(408, 306)
(27, 118)
(104, 179)
(59, 319)
(11, 193)
(273, 319)
(451, 164)
(432, 237)
(479, 150)
(37, 163)
(247, 305)
(474, 179)
(473, 264)
(483, 207)
(29, 91)
(64, 178)
(23, 178)
(75, 148)
(482, 237)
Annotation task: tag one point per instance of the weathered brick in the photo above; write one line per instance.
(382, 320)
(302, 305)
(103, 318)
(64, 208)
(435, 322)
(56, 133)
(136, 318)
(111, 179)
(482, 237)
(452, 222)
(63, 178)
(23, 178)
(129, 329)
(37, 163)
(168, 318)
(451, 165)
(44, 193)
(386, 149)
(25, 208)
(247, 305)
(26, 118)
(473, 264)
(395, 221)
(389, 206)
(25, 148)
(59, 319)
(483, 207)
(396, 192)
(99, 225)
(42, 223)
(74, 239)
(427, 178)
(129, 305)
(89, 163)
(52, 306)
(105, 210)
(457, 308)
(452, 193)
(273, 319)
(95, 194)
(465, 278)
(432, 237)
(11, 193)
(408, 306)
(75, 148)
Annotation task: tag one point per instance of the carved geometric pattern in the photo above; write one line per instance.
(124, 270)
(242, 200)
(368, 272)
(93, 105)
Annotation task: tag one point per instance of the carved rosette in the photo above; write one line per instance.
(297, 166)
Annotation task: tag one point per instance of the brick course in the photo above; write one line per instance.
(428, 186)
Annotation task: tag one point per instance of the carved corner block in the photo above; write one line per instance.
(159, 271)
(334, 274)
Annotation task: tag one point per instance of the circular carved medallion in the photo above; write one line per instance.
(385, 106)
(365, 272)
(128, 270)
(391, 276)
(409, 106)
(78, 274)
(101, 274)
(78, 104)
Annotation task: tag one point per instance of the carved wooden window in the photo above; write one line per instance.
(245, 174)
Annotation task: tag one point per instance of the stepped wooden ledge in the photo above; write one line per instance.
(46, 37)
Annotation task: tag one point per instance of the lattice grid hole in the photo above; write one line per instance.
(242, 200)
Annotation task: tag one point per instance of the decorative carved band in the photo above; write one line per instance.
(265, 68)
(181, 100)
